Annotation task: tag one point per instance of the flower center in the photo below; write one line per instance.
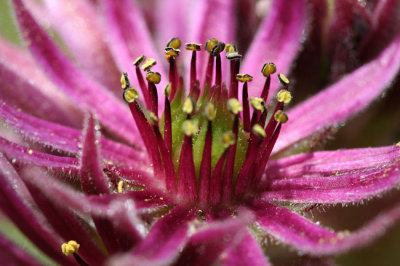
(206, 148)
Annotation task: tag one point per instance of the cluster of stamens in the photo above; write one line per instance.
(206, 147)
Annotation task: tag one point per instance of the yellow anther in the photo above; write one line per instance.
(281, 117)
(149, 64)
(167, 90)
(121, 186)
(283, 80)
(234, 106)
(218, 48)
(268, 69)
(244, 77)
(30, 152)
(210, 112)
(284, 96)
(130, 95)
(259, 131)
(154, 77)
(210, 44)
(193, 46)
(189, 128)
(188, 106)
(169, 51)
(233, 56)
(124, 80)
(228, 139)
(70, 248)
(257, 103)
(153, 119)
(139, 60)
(174, 43)
(229, 47)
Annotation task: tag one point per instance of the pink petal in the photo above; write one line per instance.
(293, 229)
(66, 139)
(87, 93)
(79, 26)
(247, 252)
(278, 40)
(343, 99)
(11, 254)
(335, 177)
(16, 204)
(164, 241)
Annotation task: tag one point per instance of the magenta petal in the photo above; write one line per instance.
(335, 177)
(278, 40)
(15, 202)
(85, 92)
(247, 252)
(84, 37)
(164, 241)
(343, 99)
(11, 254)
(295, 230)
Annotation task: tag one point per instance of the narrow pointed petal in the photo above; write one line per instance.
(85, 92)
(14, 203)
(84, 38)
(65, 139)
(164, 241)
(336, 177)
(338, 102)
(247, 252)
(308, 237)
(11, 254)
(278, 40)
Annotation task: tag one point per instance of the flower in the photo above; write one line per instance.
(193, 182)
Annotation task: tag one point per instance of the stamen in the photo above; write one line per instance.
(246, 109)
(244, 77)
(233, 56)
(267, 70)
(167, 119)
(70, 248)
(259, 131)
(120, 187)
(174, 43)
(230, 47)
(172, 52)
(284, 96)
(228, 139)
(234, 59)
(193, 46)
(149, 64)
(189, 128)
(142, 84)
(283, 80)
(153, 78)
(130, 95)
(152, 118)
(188, 106)
(234, 106)
(125, 81)
(257, 104)
(281, 117)
(210, 112)
(210, 44)
(139, 60)
(193, 68)
(218, 48)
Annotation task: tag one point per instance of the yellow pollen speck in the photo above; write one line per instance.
(172, 52)
(70, 248)
(229, 47)
(234, 106)
(210, 44)
(244, 77)
(259, 131)
(154, 77)
(167, 90)
(188, 106)
(174, 43)
(268, 69)
(193, 46)
(124, 80)
(228, 139)
(218, 48)
(121, 186)
(153, 119)
(284, 96)
(130, 95)
(30, 152)
(283, 80)
(257, 103)
(139, 60)
(149, 64)
(281, 117)
(233, 56)
(189, 128)
(210, 112)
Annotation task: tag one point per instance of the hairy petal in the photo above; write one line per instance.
(295, 230)
(338, 102)
(85, 92)
(14, 255)
(164, 241)
(278, 40)
(84, 37)
(16, 203)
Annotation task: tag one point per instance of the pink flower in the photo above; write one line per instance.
(194, 177)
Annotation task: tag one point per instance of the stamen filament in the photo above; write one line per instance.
(205, 168)
(246, 108)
